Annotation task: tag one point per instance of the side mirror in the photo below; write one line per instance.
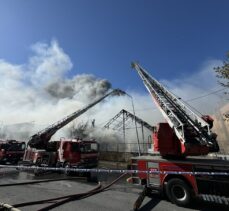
(23, 146)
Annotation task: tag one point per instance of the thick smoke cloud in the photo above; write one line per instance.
(41, 92)
(77, 87)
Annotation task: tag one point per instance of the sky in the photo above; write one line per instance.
(102, 37)
(50, 46)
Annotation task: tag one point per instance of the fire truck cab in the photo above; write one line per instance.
(11, 151)
(78, 153)
(65, 153)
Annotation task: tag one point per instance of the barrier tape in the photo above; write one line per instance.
(97, 170)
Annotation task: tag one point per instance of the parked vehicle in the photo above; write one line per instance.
(11, 151)
(64, 153)
(181, 172)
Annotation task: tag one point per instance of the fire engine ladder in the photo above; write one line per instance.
(188, 126)
(40, 139)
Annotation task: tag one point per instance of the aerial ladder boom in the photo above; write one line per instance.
(41, 139)
(189, 127)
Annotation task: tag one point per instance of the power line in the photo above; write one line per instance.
(210, 93)
(189, 100)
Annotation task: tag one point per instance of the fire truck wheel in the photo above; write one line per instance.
(178, 192)
(67, 166)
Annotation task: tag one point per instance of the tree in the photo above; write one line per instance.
(223, 72)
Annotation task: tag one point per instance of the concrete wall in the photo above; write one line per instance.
(221, 128)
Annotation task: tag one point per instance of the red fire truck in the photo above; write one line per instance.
(181, 172)
(64, 153)
(11, 151)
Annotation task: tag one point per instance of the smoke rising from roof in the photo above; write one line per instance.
(77, 87)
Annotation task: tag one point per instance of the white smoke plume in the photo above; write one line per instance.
(41, 92)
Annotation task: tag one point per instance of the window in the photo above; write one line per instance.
(75, 147)
(89, 147)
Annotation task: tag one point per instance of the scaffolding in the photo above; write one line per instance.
(123, 120)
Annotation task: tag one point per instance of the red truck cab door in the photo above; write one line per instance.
(70, 152)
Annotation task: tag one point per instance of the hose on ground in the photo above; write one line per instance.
(81, 196)
(40, 181)
(53, 199)
(68, 198)
(4, 206)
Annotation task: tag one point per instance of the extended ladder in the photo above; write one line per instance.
(188, 126)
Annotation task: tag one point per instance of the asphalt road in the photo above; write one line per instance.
(120, 196)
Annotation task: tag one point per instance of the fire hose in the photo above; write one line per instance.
(7, 207)
(63, 199)
(4, 206)
(81, 196)
(39, 181)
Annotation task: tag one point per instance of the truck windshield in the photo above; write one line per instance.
(13, 147)
(17, 147)
(89, 147)
(75, 147)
